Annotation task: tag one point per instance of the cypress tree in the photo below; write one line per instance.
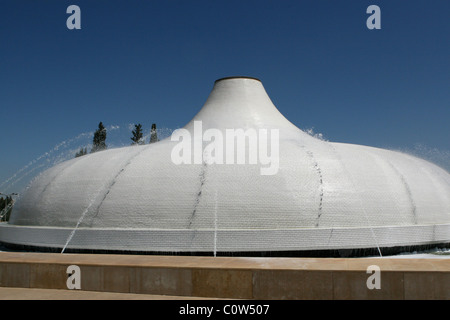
(98, 142)
(4, 203)
(2, 207)
(137, 135)
(153, 134)
(9, 201)
(80, 153)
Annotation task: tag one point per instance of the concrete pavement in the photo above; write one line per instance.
(60, 294)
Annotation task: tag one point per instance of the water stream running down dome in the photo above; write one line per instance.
(320, 198)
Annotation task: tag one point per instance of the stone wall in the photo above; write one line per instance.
(237, 278)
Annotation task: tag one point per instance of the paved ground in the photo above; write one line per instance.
(50, 294)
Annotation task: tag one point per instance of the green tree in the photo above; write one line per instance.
(153, 134)
(99, 141)
(137, 137)
(9, 203)
(80, 153)
(5, 208)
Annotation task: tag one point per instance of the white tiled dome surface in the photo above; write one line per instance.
(324, 196)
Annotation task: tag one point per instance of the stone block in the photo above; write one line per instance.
(48, 276)
(292, 284)
(427, 286)
(116, 279)
(222, 283)
(15, 275)
(92, 278)
(165, 281)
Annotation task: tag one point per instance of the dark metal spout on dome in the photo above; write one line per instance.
(237, 77)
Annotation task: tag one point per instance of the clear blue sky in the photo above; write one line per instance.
(156, 61)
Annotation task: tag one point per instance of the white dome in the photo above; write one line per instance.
(323, 196)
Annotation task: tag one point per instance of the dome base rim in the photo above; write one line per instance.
(251, 242)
